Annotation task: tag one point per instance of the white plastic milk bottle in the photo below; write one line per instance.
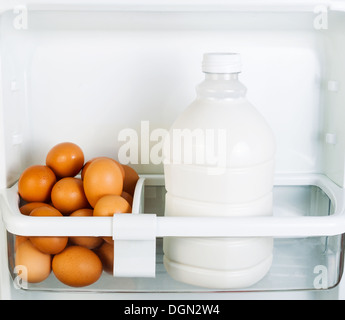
(219, 161)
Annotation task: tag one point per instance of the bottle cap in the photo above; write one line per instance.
(222, 63)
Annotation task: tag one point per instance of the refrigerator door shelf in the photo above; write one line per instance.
(308, 213)
(285, 225)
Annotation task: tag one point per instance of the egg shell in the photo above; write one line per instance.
(106, 254)
(131, 179)
(50, 245)
(128, 197)
(18, 241)
(66, 159)
(109, 240)
(35, 183)
(68, 195)
(86, 165)
(35, 265)
(77, 266)
(108, 205)
(27, 208)
(102, 177)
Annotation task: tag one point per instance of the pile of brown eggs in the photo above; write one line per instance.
(104, 187)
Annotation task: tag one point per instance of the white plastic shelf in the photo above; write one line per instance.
(308, 226)
(275, 226)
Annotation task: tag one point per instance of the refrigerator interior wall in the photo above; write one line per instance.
(103, 79)
(85, 76)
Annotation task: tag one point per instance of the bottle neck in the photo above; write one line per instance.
(221, 86)
(221, 76)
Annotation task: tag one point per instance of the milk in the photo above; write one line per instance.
(219, 161)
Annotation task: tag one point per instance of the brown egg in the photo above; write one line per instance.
(36, 183)
(77, 266)
(68, 195)
(108, 205)
(128, 197)
(51, 245)
(18, 241)
(66, 159)
(86, 212)
(89, 162)
(27, 208)
(106, 254)
(35, 265)
(109, 240)
(83, 170)
(131, 179)
(87, 242)
(102, 177)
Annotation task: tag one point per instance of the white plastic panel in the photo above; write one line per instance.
(178, 5)
(335, 97)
